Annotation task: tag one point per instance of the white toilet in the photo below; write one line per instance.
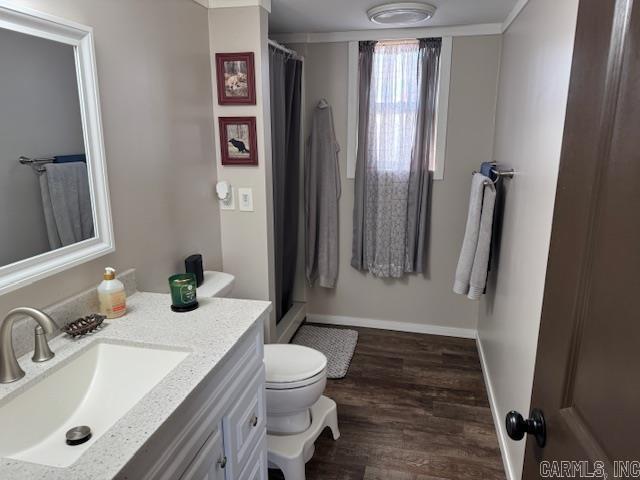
(295, 375)
(295, 379)
(297, 412)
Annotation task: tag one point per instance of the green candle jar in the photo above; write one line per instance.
(183, 292)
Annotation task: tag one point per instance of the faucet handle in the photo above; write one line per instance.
(41, 351)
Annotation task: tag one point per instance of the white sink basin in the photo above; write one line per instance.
(96, 388)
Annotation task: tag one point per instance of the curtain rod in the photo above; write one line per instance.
(398, 41)
(282, 48)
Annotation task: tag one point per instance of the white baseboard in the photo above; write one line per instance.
(497, 420)
(392, 325)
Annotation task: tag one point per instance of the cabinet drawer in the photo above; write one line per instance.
(245, 424)
(208, 463)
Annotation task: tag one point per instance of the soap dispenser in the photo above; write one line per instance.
(111, 294)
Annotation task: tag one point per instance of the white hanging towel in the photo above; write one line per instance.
(321, 195)
(471, 273)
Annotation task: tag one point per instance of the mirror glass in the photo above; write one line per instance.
(45, 199)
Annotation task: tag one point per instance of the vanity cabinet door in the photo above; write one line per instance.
(256, 468)
(245, 425)
(210, 462)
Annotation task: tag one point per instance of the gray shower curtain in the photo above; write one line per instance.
(286, 90)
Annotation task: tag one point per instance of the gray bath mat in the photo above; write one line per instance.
(337, 344)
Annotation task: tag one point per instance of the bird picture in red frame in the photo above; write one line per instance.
(238, 143)
(235, 73)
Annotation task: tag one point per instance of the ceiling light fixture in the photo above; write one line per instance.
(404, 13)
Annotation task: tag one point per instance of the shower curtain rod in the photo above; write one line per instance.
(282, 48)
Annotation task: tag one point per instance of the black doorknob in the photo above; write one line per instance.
(517, 426)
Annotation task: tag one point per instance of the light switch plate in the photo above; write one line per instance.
(230, 202)
(245, 199)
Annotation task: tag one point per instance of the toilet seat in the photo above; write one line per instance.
(299, 384)
(293, 366)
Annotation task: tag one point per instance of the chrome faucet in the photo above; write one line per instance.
(10, 370)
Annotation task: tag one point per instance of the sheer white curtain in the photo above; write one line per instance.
(393, 108)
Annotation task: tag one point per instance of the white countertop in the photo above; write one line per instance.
(209, 332)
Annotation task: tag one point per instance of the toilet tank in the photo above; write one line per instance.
(216, 284)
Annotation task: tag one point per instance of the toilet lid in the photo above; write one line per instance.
(286, 363)
(216, 284)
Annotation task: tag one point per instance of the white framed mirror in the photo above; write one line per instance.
(54, 197)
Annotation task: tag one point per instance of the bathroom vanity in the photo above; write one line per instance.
(167, 396)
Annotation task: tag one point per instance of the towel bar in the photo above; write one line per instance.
(510, 173)
(504, 173)
(36, 163)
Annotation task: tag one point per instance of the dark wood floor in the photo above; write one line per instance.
(412, 407)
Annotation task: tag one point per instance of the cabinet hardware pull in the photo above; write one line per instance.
(223, 462)
(254, 421)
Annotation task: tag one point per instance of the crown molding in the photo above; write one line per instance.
(513, 14)
(389, 34)
(266, 4)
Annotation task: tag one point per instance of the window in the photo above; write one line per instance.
(400, 82)
(401, 98)
(394, 105)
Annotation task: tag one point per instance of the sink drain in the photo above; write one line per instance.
(78, 435)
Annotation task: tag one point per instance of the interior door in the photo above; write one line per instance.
(587, 384)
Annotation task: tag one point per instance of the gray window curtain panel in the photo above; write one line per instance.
(420, 178)
(365, 67)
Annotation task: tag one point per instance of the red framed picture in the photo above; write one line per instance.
(236, 78)
(238, 143)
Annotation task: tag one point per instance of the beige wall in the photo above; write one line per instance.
(155, 89)
(247, 236)
(534, 80)
(415, 299)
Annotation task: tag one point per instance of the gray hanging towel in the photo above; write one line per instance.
(66, 201)
(321, 195)
(471, 273)
(478, 280)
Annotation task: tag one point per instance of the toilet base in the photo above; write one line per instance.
(289, 453)
(289, 424)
